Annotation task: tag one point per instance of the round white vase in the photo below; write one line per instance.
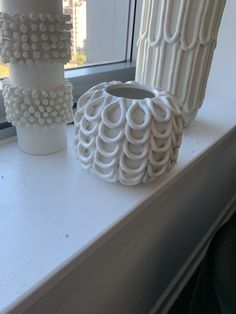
(127, 132)
(176, 46)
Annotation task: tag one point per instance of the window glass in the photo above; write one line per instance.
(100, 30)
(3, 70)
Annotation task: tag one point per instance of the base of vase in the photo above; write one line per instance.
(188, 117)
(37, 140)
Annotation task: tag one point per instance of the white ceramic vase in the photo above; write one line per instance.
(175, 48)
(127, 132)
(35, 42)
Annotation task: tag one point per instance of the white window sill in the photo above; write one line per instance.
(55, 216)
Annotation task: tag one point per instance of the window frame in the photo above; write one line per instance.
(85, 77)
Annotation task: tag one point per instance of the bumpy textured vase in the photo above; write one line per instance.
(35, 40)
(175, 48)
(127, 132)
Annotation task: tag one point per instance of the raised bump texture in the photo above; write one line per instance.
(25, 107)
(35, 38)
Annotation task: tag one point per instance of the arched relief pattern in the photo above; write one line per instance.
(176, 45)
(138, 145)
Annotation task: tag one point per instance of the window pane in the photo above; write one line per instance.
(3, 70)
(100, 30)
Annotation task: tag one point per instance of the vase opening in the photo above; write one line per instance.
(129, 91)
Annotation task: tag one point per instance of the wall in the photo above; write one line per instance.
(223, 72)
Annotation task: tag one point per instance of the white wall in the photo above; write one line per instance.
(222, 80)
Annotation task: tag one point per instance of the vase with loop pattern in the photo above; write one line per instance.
(127, 132)
(176, 46)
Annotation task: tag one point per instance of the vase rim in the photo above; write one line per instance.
(132, 91)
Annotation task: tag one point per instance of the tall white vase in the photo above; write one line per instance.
(176, 46)
(35, 42)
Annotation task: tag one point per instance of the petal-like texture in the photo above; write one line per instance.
(127, 140)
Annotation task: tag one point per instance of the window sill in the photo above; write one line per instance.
(58, 220)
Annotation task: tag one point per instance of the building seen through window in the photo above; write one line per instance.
(77, 10)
